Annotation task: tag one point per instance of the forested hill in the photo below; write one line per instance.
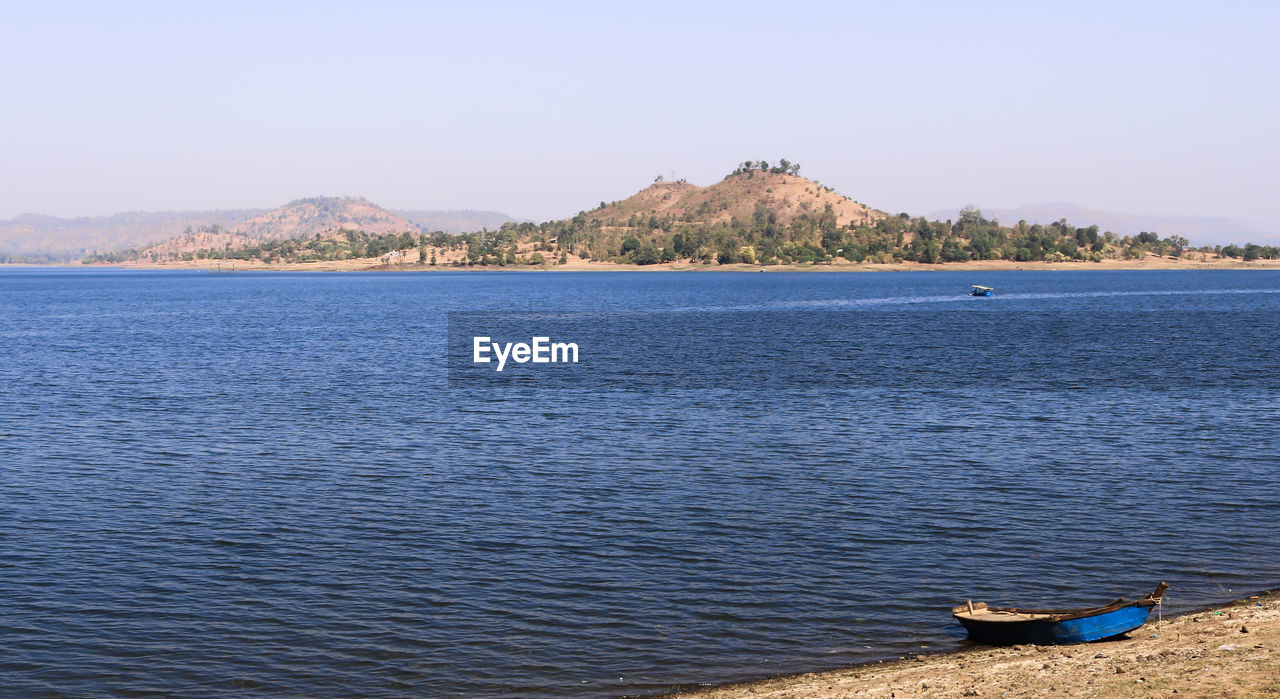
(758, 212)
(762, 213)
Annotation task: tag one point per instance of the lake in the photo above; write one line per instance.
(278, 482)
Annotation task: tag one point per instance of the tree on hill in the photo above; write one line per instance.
(784, 167)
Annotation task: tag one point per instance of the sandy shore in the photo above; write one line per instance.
(1232, 650)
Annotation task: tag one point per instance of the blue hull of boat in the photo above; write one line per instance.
(1044, 633)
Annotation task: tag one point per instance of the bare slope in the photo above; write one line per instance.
(304, 218)
(738, 196)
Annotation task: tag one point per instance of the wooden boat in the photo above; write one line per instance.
(1003, 626)
(979, 290)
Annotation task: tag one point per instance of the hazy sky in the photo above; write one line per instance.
(543, 109)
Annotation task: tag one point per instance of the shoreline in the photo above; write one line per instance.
(375, 265)
(1230, 649)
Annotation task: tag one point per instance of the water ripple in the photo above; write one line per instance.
(263, 484)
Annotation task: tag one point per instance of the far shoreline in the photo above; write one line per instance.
(375, 265)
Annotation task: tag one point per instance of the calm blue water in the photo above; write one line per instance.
(265, 482)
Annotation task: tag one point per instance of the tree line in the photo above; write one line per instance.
(810, 238)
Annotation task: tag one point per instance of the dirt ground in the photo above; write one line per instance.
(1231, 651)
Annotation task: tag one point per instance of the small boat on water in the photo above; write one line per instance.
(1004, 626)
(979, 290)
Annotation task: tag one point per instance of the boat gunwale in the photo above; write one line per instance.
(963, 613)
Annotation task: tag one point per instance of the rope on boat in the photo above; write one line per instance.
(1158, 598)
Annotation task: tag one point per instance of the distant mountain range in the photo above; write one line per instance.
(50, 238)
(1200, 230)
